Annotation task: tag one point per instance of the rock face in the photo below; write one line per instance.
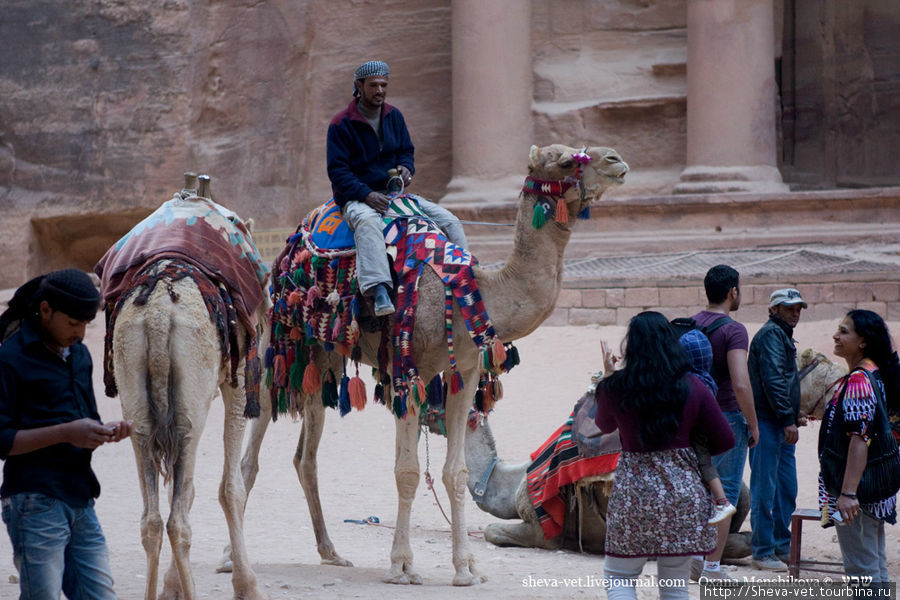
(104, 104)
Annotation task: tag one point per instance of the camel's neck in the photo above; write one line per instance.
(480, 451)
(522, 294)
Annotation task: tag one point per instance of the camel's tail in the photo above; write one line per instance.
(163, 443)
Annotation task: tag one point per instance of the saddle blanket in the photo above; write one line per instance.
(199, 232)
(558, 463)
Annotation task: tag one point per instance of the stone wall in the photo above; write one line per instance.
(602, 305)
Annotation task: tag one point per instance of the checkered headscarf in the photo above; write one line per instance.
(369, 69)
(699, 350)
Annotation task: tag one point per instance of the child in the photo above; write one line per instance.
(699, 350)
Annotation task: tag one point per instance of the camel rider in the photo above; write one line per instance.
(365, 140)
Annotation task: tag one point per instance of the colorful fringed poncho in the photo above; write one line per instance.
(315, 302)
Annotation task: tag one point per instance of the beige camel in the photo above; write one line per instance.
(169, 365)
(819, 378)
(518, 298)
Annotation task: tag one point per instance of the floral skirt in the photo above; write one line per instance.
(659, 506)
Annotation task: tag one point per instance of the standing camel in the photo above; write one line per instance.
(172, 351)
(518, 299)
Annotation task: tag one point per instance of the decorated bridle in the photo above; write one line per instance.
(549, 192)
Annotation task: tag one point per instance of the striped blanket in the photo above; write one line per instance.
(558, 463)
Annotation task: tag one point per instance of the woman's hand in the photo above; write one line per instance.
(609, 359)
(849, 508)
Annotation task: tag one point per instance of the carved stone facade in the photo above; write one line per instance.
(104, 104)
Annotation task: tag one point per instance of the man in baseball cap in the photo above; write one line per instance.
(772, 365)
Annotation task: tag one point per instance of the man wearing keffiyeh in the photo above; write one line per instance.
(365, 140)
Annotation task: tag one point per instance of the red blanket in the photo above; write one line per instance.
(557, 463)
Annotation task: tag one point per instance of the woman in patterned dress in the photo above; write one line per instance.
(658, 505)
(862, 339)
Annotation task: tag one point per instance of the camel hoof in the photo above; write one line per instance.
(467, 579)
(337, 561)
(403, 575)
(399, 579)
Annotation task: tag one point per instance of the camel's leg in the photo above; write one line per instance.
(250, 464)
(131, 375)
(305, 463)
(195, 379)
(232, 495)
(455, 477)
(406, 474)
(179, 580)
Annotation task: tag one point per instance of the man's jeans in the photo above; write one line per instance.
(368, 226)
(57, 548)
(730, 464)
(773, 491)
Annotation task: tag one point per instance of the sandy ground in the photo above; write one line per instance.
(356, 481)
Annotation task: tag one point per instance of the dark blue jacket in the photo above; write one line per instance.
(38, 388)
(356, 163)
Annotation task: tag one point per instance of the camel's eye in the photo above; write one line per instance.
(565, 163)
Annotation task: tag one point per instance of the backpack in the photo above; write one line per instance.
(684, 324)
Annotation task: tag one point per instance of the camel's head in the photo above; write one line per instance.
(819, 377)
(583, 173)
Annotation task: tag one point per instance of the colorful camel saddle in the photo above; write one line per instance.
(191, 236)
(316, 302)
(558, 463)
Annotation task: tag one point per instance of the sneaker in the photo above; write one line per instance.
(720, 575)
(383, 304)
(769, 563)
(723, 511)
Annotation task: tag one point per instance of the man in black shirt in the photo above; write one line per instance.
(49, 427)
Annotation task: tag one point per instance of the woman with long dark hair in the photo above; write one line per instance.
(659, 505)
(855, 440)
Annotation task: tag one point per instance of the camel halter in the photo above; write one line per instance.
(550, 193)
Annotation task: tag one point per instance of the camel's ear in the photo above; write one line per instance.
(534, 155)
(249, 224)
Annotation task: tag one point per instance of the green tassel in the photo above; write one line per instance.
(270, 377)
(539, 217)
(296, 375)
(397, 406)
(279, 331)
(282, 401)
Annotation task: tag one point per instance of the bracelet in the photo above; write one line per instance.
(849, 495)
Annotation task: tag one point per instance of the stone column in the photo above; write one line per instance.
(731, 139)
(492, 96)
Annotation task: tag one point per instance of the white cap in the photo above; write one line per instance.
(787, 296)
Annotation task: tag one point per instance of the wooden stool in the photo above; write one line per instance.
(795, 564)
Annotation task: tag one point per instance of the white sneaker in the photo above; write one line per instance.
(723, 511)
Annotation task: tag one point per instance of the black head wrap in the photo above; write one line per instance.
(70, 291)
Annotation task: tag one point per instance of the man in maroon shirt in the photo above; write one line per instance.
(735, 396)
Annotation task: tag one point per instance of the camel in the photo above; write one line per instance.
(818, 380)
(518, 299)
(499, 487)
(169, 364)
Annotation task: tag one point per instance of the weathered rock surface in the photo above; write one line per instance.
(104, 104)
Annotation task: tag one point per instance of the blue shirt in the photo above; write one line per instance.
(39, 388)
